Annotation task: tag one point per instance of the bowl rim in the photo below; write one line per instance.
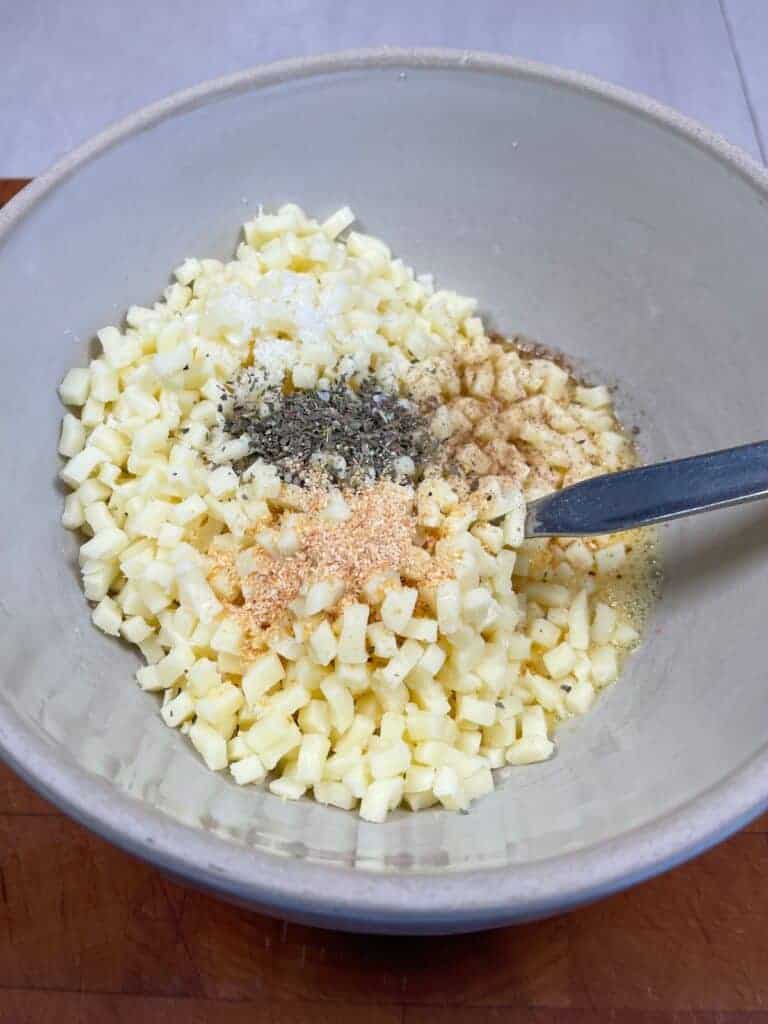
(364, 900)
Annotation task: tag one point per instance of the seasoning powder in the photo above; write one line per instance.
(377, 536)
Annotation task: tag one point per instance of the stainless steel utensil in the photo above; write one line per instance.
(652, 494)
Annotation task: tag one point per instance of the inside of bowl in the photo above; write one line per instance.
(576, 220)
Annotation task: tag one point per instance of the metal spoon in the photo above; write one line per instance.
(652, 494)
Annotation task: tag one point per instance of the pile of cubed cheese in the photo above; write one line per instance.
(401, 695)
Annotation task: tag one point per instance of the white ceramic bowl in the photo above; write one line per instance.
(590, 219)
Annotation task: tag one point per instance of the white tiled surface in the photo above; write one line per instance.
(747, 23)
(67, 69)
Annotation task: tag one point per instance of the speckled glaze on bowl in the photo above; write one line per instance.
(588, 218)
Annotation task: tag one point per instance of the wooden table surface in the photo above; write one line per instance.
(88, 934)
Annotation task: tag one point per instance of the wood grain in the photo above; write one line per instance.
(88, 934)
(10, 186)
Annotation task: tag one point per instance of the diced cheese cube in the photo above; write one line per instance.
(433, 659)
(428, 725)
(104, 382)
(448, 600)
(383, 640)
(203, 677)
(502, 734)
(72, 517)
(195, 593)
(120, 350)
(494, 756)
(304, 376)
(578, 622)
(148, 679)
(593, 398)
(397, 608)
(389, 761)
(580, 698)
(92, 413)
(313, 752)
(560, 660)
(420, 801)
(219, 704)
(406, 659)
(446, 784)
(392, 727)
(322, 643)
(357, 736)
(421, 629)
(210, 744)
(98, 517)
(419, 779)
(189, 509)
(315, 717)
(136, 629)
(98, 576)
(112, 442)
(80, 466)
(228, 637)
(153, 597)
(72, 437)
(605, 665)
(544, 633)
(514, 527)
(287, 789)
(322, 596)
(106, 544)
(338, 222)
(288, 700)
(248, 770)
(533, 722)
(381, 796)
(222, 482)
(550, 595)
(340, 702)
(354, 621)
(530, 750)
(237, 748)
(174, 664)
(518, 647)
(357, 779)
(75, 387)
(336, 794)
(264, 672)
(479, 712)
(152, 650)
(108, 616)
(546, 692)
(178, 710)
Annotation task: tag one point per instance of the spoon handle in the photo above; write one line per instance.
(652, 494)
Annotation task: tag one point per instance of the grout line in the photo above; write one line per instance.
(53, 813)
(558, 1013)
(238, 1001)
(742, 78)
